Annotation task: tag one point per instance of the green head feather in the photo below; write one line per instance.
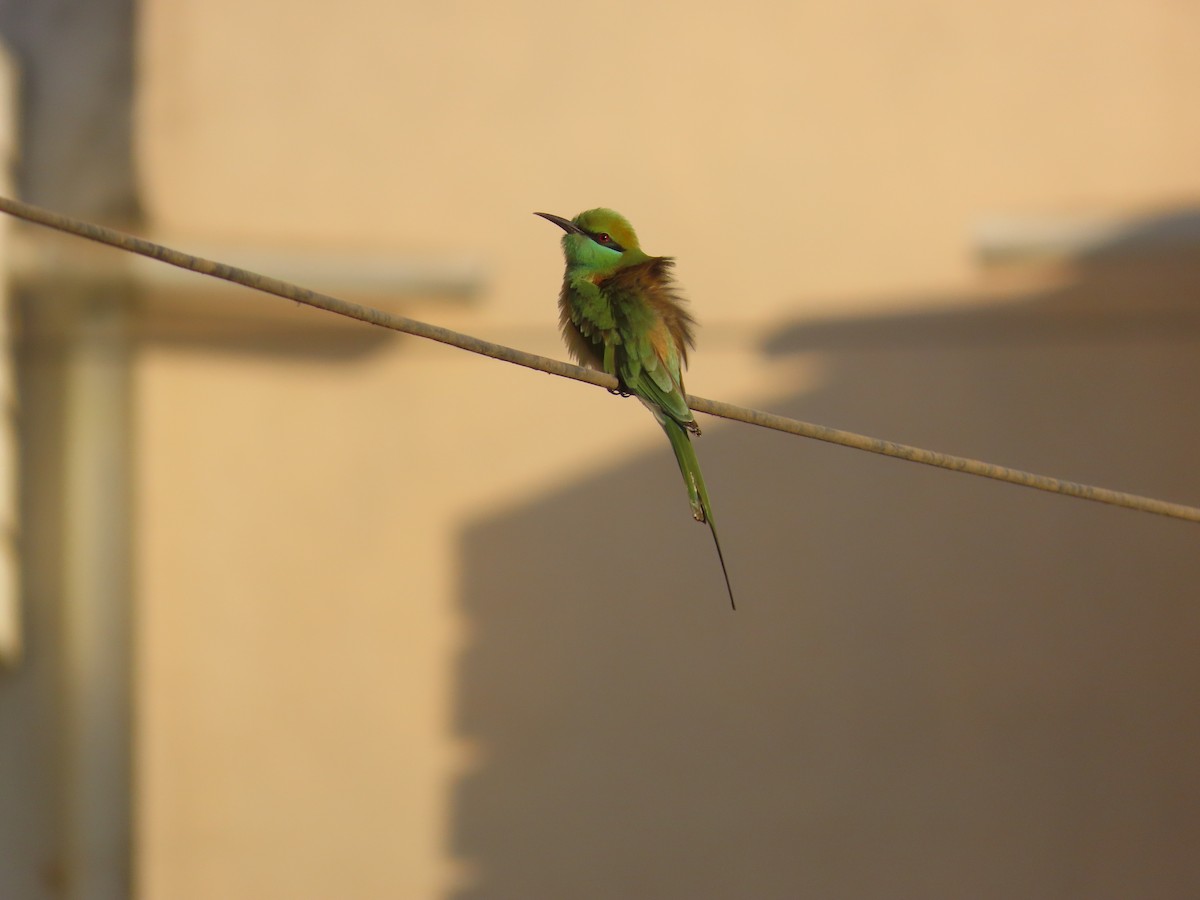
(598, 239)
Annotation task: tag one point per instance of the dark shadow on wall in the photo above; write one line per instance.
(935, 686)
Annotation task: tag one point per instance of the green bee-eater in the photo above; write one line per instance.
(622, 314)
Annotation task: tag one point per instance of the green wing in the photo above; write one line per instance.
(648, 356)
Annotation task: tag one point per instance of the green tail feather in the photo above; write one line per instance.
(685, 455)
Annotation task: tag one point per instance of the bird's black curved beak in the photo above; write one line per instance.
(565, 224)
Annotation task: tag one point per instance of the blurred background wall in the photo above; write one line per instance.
(403, 622)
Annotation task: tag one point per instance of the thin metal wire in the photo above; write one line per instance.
(945, 460)
(289, 291)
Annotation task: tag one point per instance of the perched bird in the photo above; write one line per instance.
(621, 313)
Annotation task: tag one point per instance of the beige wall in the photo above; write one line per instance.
(344, 688)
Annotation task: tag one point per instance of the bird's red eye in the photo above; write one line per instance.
(603, 238)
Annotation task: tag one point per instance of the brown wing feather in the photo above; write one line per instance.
(653, 281)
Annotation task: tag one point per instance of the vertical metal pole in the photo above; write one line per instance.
(75, 153)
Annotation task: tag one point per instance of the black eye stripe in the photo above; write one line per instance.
(595, 236)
